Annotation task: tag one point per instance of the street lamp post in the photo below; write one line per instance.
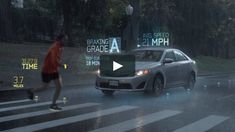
(129, 12)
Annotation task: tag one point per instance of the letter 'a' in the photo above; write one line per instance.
(114, 46)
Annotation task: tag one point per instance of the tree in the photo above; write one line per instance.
(6, 31)
(67, 15)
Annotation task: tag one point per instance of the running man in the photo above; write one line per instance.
(50, 71)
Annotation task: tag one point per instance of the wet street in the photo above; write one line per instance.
(209, 107)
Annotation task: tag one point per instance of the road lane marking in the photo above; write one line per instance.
(44, 112)
(203, 124)
(17, 101)
(27, 106)
(138, 122)
(69, 120)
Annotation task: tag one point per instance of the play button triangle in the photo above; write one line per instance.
(116, 66)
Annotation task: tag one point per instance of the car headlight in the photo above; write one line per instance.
(142, 72)
(98, 72)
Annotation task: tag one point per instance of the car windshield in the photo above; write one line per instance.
(148, 55)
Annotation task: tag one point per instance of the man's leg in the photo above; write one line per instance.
(31, 91)
(58, 84)
(43, 87)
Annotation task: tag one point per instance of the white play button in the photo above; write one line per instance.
(116, 66)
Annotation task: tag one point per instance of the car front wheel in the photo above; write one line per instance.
(158, 85)
(191, 82)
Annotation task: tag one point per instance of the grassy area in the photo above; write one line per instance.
(212, 64)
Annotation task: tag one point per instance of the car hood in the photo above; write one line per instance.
(146, 65)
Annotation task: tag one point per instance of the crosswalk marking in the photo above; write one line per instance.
(69, 120)
(203, 124)
(138, 122)
(43, 112)
(27, 106)
(17, 101)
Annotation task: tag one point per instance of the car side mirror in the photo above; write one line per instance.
(167, 60)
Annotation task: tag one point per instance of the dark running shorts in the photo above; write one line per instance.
(47, 77)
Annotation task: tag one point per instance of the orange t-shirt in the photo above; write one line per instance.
(52, 61)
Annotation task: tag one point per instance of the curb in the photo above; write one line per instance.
(216, 74)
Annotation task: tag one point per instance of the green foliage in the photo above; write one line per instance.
(155, 14)
(199, 27)
(212, 64)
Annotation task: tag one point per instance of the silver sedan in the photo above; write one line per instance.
(156, 69)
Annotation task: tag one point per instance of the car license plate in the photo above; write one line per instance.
(113, 83)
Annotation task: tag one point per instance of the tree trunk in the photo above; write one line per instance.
(135, 20)
(227, 50)
(6, 31)
(67, 15)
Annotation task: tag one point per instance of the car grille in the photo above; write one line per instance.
(121, 86)
(114, 75)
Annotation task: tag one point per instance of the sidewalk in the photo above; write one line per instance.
(88, 78)
(209, 73)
